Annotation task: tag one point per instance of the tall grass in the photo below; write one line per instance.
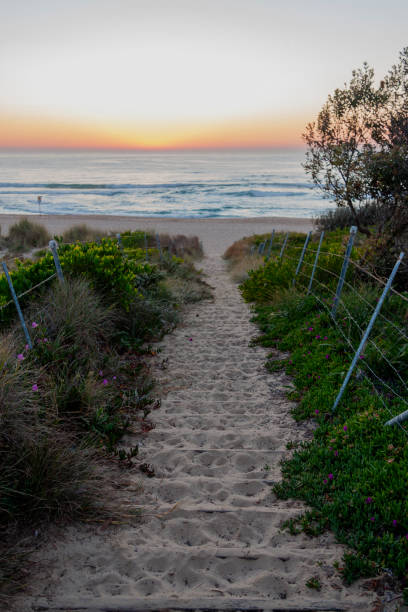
(26, 235)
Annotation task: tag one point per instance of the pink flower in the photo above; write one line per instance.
(325, 338)
(35, 387)
(345, 428)
(34, 324)
(316, 412)
(20, 356)
(114, 378)
(100, 373)
(27, 346)
(330, 477)
(325, 481)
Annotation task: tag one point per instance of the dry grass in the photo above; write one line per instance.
(183, 245)
(82, 233)
(26, 235)
(240, 260)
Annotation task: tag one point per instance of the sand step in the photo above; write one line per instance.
(205, 604)
(254, 439)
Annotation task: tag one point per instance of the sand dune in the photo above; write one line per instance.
(215, 234)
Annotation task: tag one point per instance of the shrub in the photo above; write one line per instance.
(82, 233)
(26, 235)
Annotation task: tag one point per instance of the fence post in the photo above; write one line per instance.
(353, 232)
(120, 245)
(268, 254)
(145, 243)
(283, 246)
(302, 255)
(15, 298)
(398, 419)
(53, 248)
(159, 247)
(261, 248)
(368, 330)
(315, 263)
(251, 252)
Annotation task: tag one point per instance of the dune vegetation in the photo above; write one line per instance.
(353, 472)
(66, 404)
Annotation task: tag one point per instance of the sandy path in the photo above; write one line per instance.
(220, 435)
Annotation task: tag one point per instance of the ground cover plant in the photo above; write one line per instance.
(353, 473)
(66, 404)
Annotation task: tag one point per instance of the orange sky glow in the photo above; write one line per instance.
(45, 133)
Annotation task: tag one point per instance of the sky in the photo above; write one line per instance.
(182, 74)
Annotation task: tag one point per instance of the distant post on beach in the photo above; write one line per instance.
(39, 200)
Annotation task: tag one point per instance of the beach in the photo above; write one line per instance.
(216, 234)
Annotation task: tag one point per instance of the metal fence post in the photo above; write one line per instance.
(268, 254)
(159, 247)
(368, 330)
(315, 263)
(302, 255)
(15, 298)
(353, 232)
(53, 248)
(398, 419)
(283, 246)
(145, 243)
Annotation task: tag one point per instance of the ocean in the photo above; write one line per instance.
(176, 184)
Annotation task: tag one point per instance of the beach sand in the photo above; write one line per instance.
(211, 535)
(216, 234)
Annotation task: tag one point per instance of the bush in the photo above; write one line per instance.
(82, 233)
(26, 235)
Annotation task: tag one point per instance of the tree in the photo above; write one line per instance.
(340, 141)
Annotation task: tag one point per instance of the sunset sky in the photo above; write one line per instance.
(170, 74)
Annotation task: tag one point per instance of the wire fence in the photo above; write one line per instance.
(369, 314)
(163, 250)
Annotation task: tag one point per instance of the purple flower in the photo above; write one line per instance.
(317, 337)
(345, 428)
(336, 453)
(361, 356)
(330, 477)
(104, 382)
(325, 481)
(35, 387)
(20, 356)
(45, 340)
(190, 339)
(114, 378)
(34, 324)
(316, 411)
(372, 518)
(394, 523)
(100, 373)
(406, 535)
(326, 356)
(310, 329)
(27, 347)
(369, 500)
(325, 338)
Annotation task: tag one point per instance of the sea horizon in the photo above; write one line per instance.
(195, 184)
